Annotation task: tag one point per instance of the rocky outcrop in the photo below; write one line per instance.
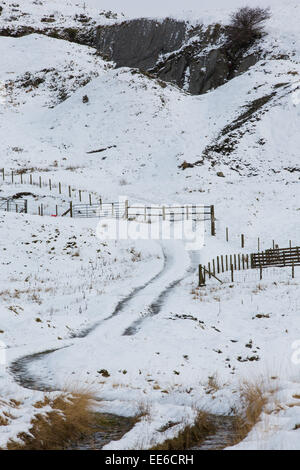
(193, 58)
(139, 43)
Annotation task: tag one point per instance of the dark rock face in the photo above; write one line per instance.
(192, 58)
(196, 74)
(201, 73)
(138, 43)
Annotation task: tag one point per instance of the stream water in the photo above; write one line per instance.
(109, 427)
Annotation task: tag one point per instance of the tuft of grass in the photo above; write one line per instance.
(253, 398)
(213, 383)
(69, 420)
(191, 435)
(144, 410)
(3, 421)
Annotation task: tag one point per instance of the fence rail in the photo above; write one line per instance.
(170, 212)
(276, 257)
(194, 212)
(145, 213)
(114, 209)
(13, 205)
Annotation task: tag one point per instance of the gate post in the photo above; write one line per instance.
(126, 210)
(212, 221)
(201, 276)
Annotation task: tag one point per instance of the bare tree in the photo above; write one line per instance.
(246, 26)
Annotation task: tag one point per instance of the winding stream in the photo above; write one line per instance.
(118, 426)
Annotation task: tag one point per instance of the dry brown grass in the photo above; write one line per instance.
(4, 421)
(191, 435)
(213, 384)
(144, 410)
(253, 398)
(70, 419)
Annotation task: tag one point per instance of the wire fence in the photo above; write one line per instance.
(274, 274)
(236, 267)
(106, 210)
(13, 205)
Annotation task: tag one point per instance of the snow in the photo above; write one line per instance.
(61, 287)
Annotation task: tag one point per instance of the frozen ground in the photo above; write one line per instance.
(61, 287)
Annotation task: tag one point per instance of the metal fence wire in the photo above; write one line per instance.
(111, 210)
(13, 205)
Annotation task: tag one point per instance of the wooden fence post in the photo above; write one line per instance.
(231, 269)
(209, 271)
(90, 199)
(80, 195)
(212, 220)
(226, 262)
(3, 174)
(40, 181)
(56, 210)
(70, 192)
(126, 208)
(260, 273)
(227, 234)
(164, 213)
(21, 178)
(293, 270)
(59, 187)
(26, 206)
(218, 264)
(71, 209)
(30, 178)
(214, 267)
(201, 276)
(242, 240)
(222, 263)
(258, 244)
(12, 176)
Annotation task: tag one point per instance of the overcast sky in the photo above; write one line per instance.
(171, 7)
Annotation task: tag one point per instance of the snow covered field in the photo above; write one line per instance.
(132, 308)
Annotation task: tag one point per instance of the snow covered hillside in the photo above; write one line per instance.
(132, 309)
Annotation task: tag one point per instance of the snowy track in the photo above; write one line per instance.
(140, 305)
(156, 306)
